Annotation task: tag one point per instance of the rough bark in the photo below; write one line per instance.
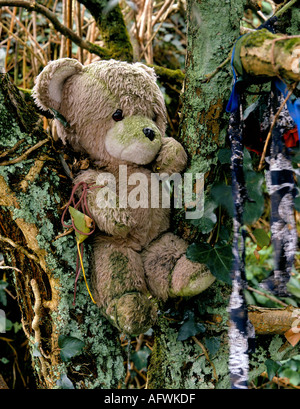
(33, 190)
(112, 28)
(213, 28)
(271, 55)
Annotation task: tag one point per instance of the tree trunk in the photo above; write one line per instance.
(33, 190)
(213, 28)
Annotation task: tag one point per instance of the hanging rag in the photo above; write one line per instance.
(241, 332)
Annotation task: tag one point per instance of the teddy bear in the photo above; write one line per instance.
(116, 114)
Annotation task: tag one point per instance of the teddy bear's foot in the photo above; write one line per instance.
(189, 278)
(132, 313)
(169, 273)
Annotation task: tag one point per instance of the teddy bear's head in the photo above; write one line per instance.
(114, 111)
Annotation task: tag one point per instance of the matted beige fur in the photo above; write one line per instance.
(135, 260)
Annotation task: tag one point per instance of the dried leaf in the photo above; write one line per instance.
(292, 336)
(88, 221)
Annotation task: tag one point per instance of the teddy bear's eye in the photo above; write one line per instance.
(118, 115)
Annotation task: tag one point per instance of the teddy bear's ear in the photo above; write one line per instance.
(149, 70)
(47, 91)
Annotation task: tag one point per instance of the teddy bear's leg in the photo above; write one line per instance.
(120, 290)
(169, 273)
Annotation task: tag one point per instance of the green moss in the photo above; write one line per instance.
(293, 21)
(112, 28)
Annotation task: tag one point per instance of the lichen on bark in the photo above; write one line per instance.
(31, 221)
(213, 28)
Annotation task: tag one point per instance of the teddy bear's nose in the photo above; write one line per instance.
(149, 133)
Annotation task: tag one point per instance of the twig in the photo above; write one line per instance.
(29, 35)
(285, 8)
(13, 149)
(157, 30)
(21, 41)
(207, 357)
(69, 25)
(32, 6)
(69, 231)
(8, 43)
(11, 268)
(25, 154)
(272, 126)
(36, 324)
(270, 297)
(208, 77)
(20, 248)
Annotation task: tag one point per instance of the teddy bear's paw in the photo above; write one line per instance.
(189, 278)
(133, 313)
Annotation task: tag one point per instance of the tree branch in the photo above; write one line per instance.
(271, 320)
(112, 28)
(39, 8)
(271, 55)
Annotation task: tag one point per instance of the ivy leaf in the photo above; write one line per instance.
(263, 240)
(253, 211)
(222, 194)
(224, 156)
(218, 258)
(64, 382)
(207, 222)
(297, 203)
(296, 156)
(69, 347)
(272, 368)
(82, 222)
(293, 286)
(213, 345)
(140, 358)
(190, 328)
(293, 376)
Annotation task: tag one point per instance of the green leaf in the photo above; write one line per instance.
(296, 156)
(262, 238)
(253, 211)
(64, 382)
(293, 376)
(222, 194)
(140, 358)
(297, 203)
(208, 221)
(272, 368)
(293, 286)
(190, 328)
(213, 345)
(69, 347)
(82, 222)
(266, 8)
(224, 156)
(218, 258)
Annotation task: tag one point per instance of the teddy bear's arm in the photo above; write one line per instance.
(110, 219)
(172, 158)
